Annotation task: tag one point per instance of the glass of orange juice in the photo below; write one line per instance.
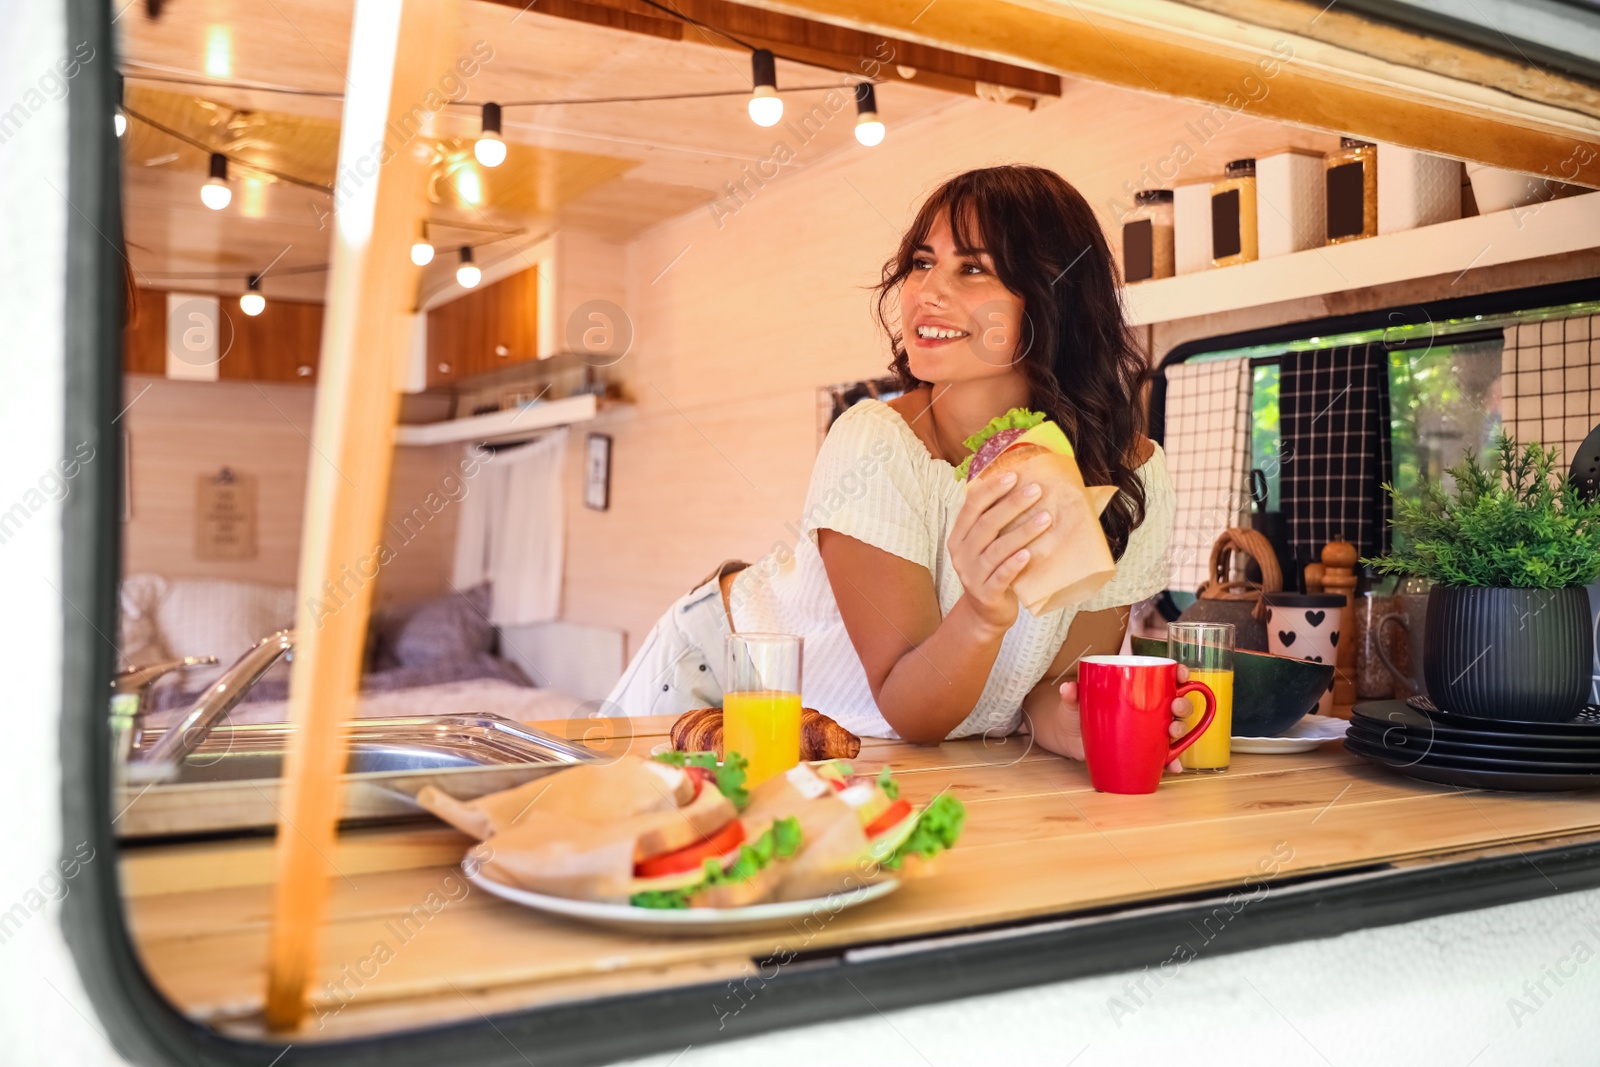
(1206, 648)
(761, 704)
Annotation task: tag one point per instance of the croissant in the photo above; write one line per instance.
(820, 737)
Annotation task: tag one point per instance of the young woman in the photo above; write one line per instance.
(1002, 294)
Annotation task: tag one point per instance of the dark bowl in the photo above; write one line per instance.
(1270, 693)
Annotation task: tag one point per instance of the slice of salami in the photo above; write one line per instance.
(992, 448)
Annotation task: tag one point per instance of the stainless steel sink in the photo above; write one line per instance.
(231, 780)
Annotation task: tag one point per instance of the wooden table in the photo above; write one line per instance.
(408, 942)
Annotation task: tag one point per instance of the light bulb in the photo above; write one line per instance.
(422, 253)
(467, 275)
(490, 149)
(766, 106)
(215, 193)
(869, 128)
(120, 122)
(251, 302)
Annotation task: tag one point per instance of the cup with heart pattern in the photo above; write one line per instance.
(1306, 626)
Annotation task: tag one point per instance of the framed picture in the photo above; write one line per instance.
(597, 471)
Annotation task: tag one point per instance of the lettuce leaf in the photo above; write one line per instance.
(890, 787)
(937, 829)
(1015, 419)
(730, 772)
(778, 841)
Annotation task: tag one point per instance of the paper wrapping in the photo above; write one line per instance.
(592, 792)
(561, 856)
(1071, 560)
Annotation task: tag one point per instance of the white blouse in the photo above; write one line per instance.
(875, 480)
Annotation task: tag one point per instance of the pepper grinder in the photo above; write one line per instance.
(1339, 578)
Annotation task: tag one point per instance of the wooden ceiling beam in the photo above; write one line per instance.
(1397, 44)
(1172, 49)
(831, 47)
(619, 15)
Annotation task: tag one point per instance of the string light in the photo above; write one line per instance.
(422, 249)
(215, 193)
(252, 303)
(869, 128)
(766, 106)
(489, 148)
(119, 121)
(468, 275)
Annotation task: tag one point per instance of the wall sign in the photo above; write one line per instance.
(597, 471)
(225, 516)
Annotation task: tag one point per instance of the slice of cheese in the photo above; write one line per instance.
(1046, 435)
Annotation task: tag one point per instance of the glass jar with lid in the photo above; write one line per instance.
(1147, 237)
(1233, 215)
(1352, 188)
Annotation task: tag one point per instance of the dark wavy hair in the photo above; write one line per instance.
(1049, 250)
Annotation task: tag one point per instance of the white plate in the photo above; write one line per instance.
(681, 921)
(1303, 736)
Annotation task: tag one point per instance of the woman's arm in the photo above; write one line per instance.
(927, 672)
(1051, 706)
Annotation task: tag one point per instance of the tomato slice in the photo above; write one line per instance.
(689, 857)
(700, 776)
(890, 817)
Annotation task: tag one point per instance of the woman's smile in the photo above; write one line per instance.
(958, 321)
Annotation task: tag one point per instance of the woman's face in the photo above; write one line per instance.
(958, 323)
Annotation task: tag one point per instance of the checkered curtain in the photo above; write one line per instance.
(1208, 454)
(1333, 407)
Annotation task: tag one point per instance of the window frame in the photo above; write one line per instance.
(142, 1025)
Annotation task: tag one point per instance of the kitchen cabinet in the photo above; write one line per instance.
(484, 330)
(279, 345)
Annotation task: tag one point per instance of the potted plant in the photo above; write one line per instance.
(1509, 553)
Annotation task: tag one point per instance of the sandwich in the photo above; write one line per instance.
(683, 831)
(1071, 559)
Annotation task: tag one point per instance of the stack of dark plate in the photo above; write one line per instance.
(1420, 741)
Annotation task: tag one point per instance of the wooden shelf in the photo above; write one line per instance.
(1444, 248)
(502, 426)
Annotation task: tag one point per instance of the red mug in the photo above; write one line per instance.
(1125, 707)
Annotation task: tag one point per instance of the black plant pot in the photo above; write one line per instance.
(1509, 653)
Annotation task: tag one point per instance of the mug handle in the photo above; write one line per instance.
(1383, 651)
(1176, 747)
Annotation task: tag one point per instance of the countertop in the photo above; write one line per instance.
(409, 942)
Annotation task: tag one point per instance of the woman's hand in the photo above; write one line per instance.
(986, 560)
(1068, 731)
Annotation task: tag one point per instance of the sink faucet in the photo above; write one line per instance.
(183, 737)
(131, 692)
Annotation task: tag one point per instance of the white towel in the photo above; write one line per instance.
(512, 532)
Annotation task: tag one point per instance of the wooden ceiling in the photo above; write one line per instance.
(203, 69)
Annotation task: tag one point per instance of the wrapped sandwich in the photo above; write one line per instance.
(682, 831)
(1071, 560)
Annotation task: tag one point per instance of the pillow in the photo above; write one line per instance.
(138, 633)
(449, 627)
(211, 617)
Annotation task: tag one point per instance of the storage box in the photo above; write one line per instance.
(1191, 227)
(1291, 202)
(1416, 189)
